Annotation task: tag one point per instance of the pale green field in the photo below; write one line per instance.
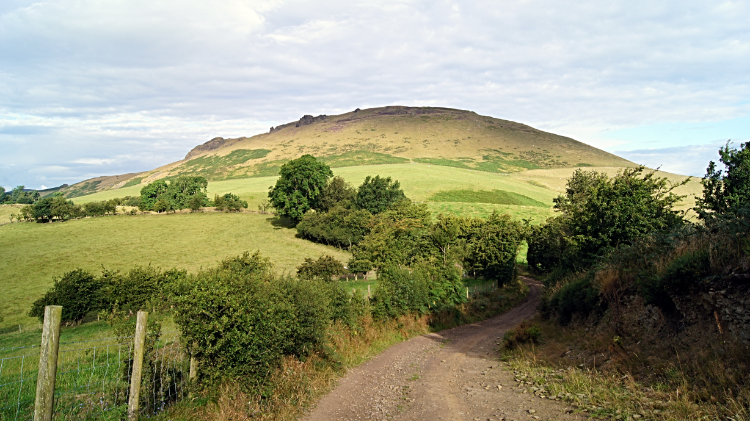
(35, 253)
(420, 181)
(6, 211)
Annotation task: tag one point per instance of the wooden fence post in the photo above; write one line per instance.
(368, 291)
(467, 293)
(135, 375)
(45, 382)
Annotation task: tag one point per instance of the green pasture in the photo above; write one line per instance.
(35, 253)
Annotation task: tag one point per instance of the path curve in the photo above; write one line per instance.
(450, 375)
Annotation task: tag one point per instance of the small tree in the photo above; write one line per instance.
(299, 187)
(150, 194)
(337, 191)
(378, 194)
(77, 291)
(325, 268)
(726, 192)
(162, 205)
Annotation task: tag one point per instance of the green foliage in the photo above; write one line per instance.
(337, 192)
(493, 246)
(239, 321)
(341, 227)
(499, 197)
(324, 268)
(77, 291)
(399, 236)
(133, 182)
(360, 157)
(378, 194)
(178, 194)
(525, 333)
(424, 289)
(600, 213)
(229, 203)
(580, 297)
(726, 192)
(299, 187)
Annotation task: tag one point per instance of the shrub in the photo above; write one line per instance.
(77, 291)
(239, 321)
(229, 203)
(400, 292)
(324, 269)
(524, 333)
(340, 226)
(580, 297)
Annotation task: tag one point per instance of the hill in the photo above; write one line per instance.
(385, 135)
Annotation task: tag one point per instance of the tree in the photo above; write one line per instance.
(599, 213)
(299, 187)
(493, 247)
(337, 191)
(162, 205)
(183, 189)
(325, 268)
(150, 194)
(726, 192)
(229, 203)
(77, 291)
(378, 194)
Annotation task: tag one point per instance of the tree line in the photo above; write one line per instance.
(385, 230)
(184, 192)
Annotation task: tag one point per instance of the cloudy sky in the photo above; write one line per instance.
(91, 87)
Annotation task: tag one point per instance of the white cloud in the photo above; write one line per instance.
(106, 78)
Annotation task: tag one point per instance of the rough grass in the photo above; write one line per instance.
(6, 211)
(35, 253)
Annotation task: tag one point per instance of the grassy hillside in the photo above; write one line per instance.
(377, 136)
(430, 183)
(34, 253)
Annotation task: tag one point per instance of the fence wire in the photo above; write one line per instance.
(18, 376)
(93, 380)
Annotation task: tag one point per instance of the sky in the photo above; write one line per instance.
(90, 87)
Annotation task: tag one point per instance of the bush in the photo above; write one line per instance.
(524, 333)
(340, 227)
(580, 297)
(324, 269)
(229, 203)
(77, 291)
(239, 321)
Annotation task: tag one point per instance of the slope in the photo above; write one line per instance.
(385, 135)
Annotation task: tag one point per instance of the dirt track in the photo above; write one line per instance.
(450, 375)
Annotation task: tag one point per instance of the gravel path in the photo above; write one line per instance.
(450, 375)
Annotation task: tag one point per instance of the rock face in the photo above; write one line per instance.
(725, 303)
(212, 144)
(304, 121)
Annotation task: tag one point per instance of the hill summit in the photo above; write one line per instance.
(384, 135)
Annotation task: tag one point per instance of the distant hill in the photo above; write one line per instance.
(385, 135)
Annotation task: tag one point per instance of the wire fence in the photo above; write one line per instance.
(93, 378)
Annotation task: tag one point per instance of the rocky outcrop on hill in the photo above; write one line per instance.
(304, 121)
(211, 145)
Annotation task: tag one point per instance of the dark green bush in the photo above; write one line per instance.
(580, 297)
(77, 291)
(324, 268)
(400, 292)
(240, 321)
(340, 226)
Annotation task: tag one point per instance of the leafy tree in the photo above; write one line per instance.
(196, 202)
(229, 203)
(725, 192)
(162, 205)
(599, 213)
(399, 237)
(43, 209)
(77, 291)
(299, 187)
(336, 192)
(183, 189)
(324, 268)
(2, 194)
(340, 226)
(493, 247)
(150, 194)
(378, 194)
(61, 209)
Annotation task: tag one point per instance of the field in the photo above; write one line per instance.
(35, 253)
(421, 181)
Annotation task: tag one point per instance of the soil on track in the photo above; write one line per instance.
(449, 375)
